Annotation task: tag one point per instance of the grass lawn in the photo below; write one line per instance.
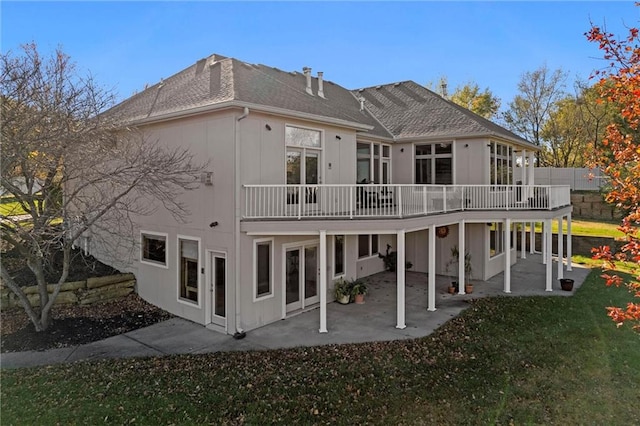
(537, 360)
(12, 208)
(587, 228)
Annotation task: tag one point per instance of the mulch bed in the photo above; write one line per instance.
(76, 325)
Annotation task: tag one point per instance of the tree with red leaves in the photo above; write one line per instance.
(619, 157)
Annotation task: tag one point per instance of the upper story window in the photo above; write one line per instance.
(373, 163)
(303, 155)
(501, 164)
(434, 163)
(297, 136)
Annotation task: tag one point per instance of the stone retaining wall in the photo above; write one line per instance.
(92, 290)
(591, 205)
(580, 244)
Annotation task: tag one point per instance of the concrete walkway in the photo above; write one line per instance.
(373, 321)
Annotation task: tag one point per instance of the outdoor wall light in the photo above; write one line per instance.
(338, 137)
(266, 126)
(213, 224)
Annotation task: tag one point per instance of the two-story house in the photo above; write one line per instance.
(309, 182)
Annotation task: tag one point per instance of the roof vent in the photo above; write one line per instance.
(307, 72)
(443, 88)
(320, 85)
(361, 103)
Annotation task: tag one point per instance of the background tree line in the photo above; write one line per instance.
(567, 124)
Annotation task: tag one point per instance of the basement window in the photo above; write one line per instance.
(153, 248)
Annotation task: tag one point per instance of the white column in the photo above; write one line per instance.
(560, 248)
(432, 269)
(523, 241)
(544, 241)
(569, 246)
(532, 237)
(524, 170)
(400, 268)
(547, 254)
(461, 257)
(323, 281)
(530, 180)
(506, 244)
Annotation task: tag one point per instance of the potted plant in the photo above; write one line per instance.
(468, 270)
(342, 292)
(390, 260)
(358, 290)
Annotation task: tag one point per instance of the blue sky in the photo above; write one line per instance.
(126, 45)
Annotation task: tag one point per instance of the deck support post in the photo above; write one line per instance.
(431, 304)
(323, 281)
(400, 271)
(569, 246)
(523, 241)
(544, 240)
(461, 257)
(560, 247)
(547, 254)
(506, 235)
(532, 238)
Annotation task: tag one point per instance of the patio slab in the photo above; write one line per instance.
(375, 320)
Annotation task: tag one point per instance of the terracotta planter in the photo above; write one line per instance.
(566, 284)
(468, 288)
(359, 298)
(453, 287)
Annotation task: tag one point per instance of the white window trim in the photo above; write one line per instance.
(344, 256)
(254, 266)
(166, 249)
(432, 157)
(319, 150)
(370, 255)
(500, 239)
(178, 254)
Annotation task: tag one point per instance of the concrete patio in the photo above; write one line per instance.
(373, 321)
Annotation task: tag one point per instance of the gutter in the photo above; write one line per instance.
(239, 334)
(255, 107)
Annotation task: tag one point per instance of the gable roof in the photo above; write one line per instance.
(411, 111)
(217, 81)
(396, 111)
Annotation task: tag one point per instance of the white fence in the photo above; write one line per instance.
(579, 179)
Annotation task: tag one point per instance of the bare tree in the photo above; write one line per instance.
(73, 169)
(540, 91)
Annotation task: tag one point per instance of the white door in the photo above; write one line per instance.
(303, 171)
(301, 277)
(219, 288)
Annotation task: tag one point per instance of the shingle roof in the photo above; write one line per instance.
(409, 110)
(216, 80)
(392, 111)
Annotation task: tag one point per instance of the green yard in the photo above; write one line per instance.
(11, 208)
(541, 360)
(587, 228)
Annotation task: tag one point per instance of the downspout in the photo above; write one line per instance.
(239, 334)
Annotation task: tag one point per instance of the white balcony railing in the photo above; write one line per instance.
(394, 201)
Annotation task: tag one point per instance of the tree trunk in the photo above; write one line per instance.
(31, 313)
